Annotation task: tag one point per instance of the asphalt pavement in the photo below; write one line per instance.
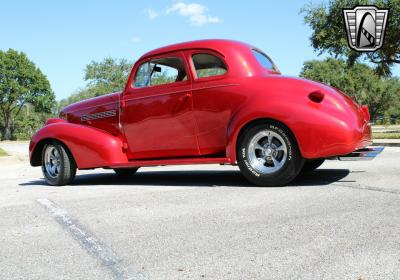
(341, 221)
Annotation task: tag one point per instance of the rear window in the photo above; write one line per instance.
(264, 60)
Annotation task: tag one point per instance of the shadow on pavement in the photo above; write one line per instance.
(196, 178)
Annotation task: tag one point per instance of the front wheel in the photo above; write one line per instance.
(268, 155)
(58, 165)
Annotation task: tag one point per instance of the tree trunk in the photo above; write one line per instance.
(7, 133)
(7, 130)
(373, 114)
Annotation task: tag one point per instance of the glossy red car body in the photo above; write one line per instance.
(198, 120)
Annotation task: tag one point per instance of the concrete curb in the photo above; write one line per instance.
(386, 144)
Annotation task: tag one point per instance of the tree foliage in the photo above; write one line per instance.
(109, 73)
(22, 84)
(103, 77)
(359, 81)
(329, 32)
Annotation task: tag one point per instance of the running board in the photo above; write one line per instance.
(173, 161)
(367, 153)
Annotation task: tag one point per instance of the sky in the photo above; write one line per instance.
(62, 37)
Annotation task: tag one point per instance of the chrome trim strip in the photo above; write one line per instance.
(156, 95)
(215, 86)
(179, 91)
(149, 96)
(99, 115)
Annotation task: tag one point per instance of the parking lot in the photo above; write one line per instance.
(342, 221)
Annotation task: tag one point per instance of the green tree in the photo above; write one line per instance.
(358, 81)
(394, 109)
(107, 76)
(103, 77)
(27, 122)
(329, 33)
(21, 84)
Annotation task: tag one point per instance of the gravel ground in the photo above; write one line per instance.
(341, 221)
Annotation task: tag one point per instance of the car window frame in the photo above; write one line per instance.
(274, 69)
(189, 56)
(139, 63)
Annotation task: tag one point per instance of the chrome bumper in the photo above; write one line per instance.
(367, 153)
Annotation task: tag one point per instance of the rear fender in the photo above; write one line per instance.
(90, 147)
(318, 132)
(238, 123)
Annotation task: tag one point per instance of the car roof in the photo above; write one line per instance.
(219, 45)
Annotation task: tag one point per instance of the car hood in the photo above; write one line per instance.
(84, 105)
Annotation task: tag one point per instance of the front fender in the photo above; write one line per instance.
(89, 146)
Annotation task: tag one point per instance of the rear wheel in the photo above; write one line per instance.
(124, 172)
(312, 165)
(58, 165)
(268, 154)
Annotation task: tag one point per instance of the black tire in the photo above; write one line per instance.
(66, 167)
(287, 171)
(125, 172)
(311, 165)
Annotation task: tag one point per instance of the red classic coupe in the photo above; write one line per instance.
(203, 102)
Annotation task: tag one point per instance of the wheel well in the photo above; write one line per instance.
(36, 159)
(261, 121)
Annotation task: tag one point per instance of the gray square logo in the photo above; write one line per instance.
(365, 26)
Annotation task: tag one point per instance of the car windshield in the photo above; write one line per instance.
(264, 60)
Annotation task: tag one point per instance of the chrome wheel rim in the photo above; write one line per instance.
(267, 152)
(52, 161)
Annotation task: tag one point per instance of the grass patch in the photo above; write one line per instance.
(383, 129)
(381, 135)
(3, 153)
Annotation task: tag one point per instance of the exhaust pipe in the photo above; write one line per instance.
(367, 153)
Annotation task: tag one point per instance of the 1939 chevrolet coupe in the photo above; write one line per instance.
(203, 102)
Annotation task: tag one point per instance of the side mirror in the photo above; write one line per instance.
(157, 69)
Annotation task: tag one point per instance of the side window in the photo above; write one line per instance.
(207, 65)
(264, 60)
(142, 75)
(160, 71)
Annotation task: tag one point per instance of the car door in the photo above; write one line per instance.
(157, 112)
(214, 99)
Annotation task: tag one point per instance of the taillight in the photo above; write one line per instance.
(365, 110)
(316, 96)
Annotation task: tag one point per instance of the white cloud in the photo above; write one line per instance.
(136, 39)
(196, 13)
(151, 14)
